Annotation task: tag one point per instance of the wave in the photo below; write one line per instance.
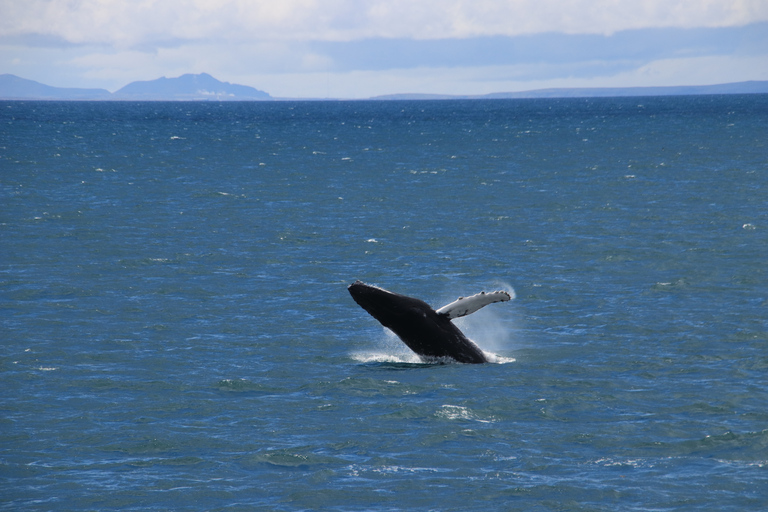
(414, 359)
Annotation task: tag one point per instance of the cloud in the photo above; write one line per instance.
(158, 23)
(362, 48)
(630, 46)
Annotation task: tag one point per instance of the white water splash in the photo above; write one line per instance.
(485, 327)
(457, 412)
(489, 328)
(386, 357)
(497, 359)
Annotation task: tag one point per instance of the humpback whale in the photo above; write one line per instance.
(428, 332)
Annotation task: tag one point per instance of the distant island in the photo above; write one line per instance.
(752, 87)
(204, 87)
(189, 87)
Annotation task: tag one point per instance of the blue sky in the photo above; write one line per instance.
(364, 48)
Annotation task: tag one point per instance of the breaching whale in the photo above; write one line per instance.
(428, 332)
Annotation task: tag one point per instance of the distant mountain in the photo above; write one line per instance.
(753, 87)
(204, 87)
(14, 88)
(683, 90)
(184, 88)
(190, 88)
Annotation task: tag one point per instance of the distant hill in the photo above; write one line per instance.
(14, 88)
(190, 88)
(202, 87)
(753, 87)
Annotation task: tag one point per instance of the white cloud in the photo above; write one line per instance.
(128, 23)
(363, 48)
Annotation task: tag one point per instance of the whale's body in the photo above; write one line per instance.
(429, 333)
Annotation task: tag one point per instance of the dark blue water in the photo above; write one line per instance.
(177, 333)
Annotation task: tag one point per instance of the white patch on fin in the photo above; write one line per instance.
(466, 305)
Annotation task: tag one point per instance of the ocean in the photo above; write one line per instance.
(177, 332)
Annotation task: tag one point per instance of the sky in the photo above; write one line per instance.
(365, 48)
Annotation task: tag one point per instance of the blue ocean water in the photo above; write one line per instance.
(177, 333)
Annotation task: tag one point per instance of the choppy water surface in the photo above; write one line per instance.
(177, 334)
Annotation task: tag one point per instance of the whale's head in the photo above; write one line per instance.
(387, 307)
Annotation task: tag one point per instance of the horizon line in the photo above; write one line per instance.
(741, 87)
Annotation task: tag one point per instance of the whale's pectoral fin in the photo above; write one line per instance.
(466, 305)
